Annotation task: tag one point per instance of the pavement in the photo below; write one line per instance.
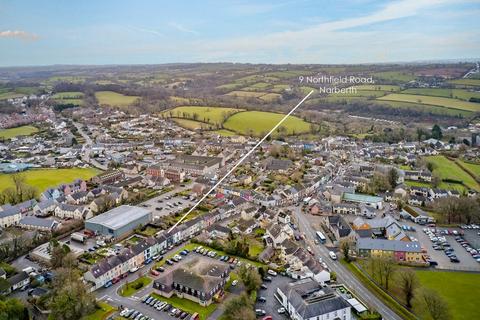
(343, 275)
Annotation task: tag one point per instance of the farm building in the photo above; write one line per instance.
(119, 221)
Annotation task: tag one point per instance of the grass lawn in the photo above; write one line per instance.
(255, 248)
(69, 97)
(211, 115)
(191, 125)
(467, 82)
(188, 306)
(102, 313)
(474, 168)
(149, 231)
(45, 178)
(130, 288)
(247, 94)
(460, 289)
(114, 98)
(448, 169)
(436, 101)
(18, 131)
(258, 122)
(402, 76)
(446, 93)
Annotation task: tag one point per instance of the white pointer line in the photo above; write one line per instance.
(240, 161)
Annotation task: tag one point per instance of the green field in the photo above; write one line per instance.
(73, 97)
(380, 87)
(446, 93)
(45, 178)
(18, 131)
(114, 99)
(448, 169)
(436, 101)
(246, 94)
(424, 108)
(191, 124)
(402, 76)
(360, 93)
(17, 92)
(474, 168)
(467, 82)
(270, 97)
(258, 122)
(211, 115)
(460, 289)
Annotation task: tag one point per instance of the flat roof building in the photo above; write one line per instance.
(119, 221)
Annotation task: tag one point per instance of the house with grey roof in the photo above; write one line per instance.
(308, 299)
(199, 280)
(10, 217)
(40, 224)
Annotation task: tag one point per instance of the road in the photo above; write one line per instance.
(87, 148)
(343, 275)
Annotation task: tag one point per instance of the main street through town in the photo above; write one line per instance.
(343, 275)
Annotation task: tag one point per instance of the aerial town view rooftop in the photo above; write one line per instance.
(240, 160)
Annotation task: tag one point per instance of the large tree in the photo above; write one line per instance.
(12, 309)
(239, 308)
(434, 304)
(408, 282)
(71, 299)
(250, 278)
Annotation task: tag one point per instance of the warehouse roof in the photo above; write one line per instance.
(119, 216)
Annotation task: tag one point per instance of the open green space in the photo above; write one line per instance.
(446, 93)
(130, 288)
(360, 93)
(270, 97)
(403, 76)
(45, 178)
(379, 87)
(191, 124)
(188, 305)
(438, 101)
(18, 131)
(114, 99)
(258, 122)
(69, 97)
(213, 115)
(17, 92)
(449, 170)
(100, 313)
(472, 168)
(460, 289)
(467, 82)
(246, 94)
(379, 292)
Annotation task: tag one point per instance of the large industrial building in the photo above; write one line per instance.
(119, 221)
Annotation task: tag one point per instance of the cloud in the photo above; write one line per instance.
(155, 32)
(18, 34)
(182, 28)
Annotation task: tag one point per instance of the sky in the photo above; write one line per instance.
(278, 31)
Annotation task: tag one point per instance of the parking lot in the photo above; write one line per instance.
(444, 243)
(167, 204)
(272, 305)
